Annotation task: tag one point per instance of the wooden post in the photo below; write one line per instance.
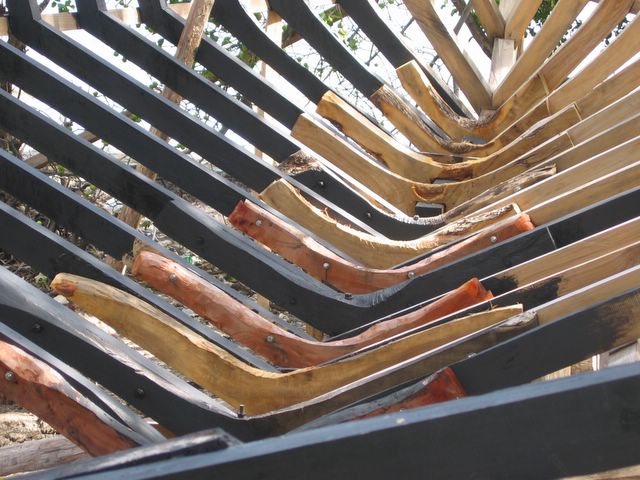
(187, 46)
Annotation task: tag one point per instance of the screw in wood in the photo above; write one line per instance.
(10, 377)
(258, 223)
(173, 278)
(270, 339)
(493, 239)
(326, 265)
(411, 274)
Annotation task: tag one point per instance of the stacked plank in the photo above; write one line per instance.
(531, 266)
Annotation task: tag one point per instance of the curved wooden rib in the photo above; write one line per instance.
(272, 342)
(547, 78)
(323, 264)
(494, 170)
(41, 390)
(371, 251)
(235, 382)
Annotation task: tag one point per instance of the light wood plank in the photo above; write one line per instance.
(554, 27)
(518, 15)
(38, 455)
(490, 17)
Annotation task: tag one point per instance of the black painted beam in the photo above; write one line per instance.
(394, 49)
(574, 426)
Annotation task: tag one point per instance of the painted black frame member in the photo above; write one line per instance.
(95, 19)
(116, 239)
(109, 410)
(578, 425)
(249, 169)
(395, 50)
(301, 18)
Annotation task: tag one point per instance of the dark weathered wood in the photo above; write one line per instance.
(578, 425)
(38, 454)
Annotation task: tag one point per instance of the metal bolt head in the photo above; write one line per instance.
(36, 328)
(493, 239)
(241, 411)
(368, 215)
(173, 278)
(411, 274)
(517, 189)
(10, 376)
(416, 217)
(270, 339)
(348, 296)
(258, 223)
(326, 265)
(140, 393)
(321, 183)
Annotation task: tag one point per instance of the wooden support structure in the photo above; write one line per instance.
(537, 243)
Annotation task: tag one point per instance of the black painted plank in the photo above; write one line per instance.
(164, 21)
(116, 239)
(579, 425)
(234, 18)
(300, 17)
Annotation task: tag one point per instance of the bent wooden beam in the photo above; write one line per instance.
(232, 380)
(385, 255)
(544, 81)
(498, 168)
(35, 386)
(323, 264)
(373, 252)
(272, 342)
(491, 370)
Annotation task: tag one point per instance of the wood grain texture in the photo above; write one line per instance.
(461, 67)
(371, 251)
(490, 17)
(38, 388)
(39, 454)
(541, 46)
(517, 19)
(235, 382)
(323, 264)
(272, 342)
